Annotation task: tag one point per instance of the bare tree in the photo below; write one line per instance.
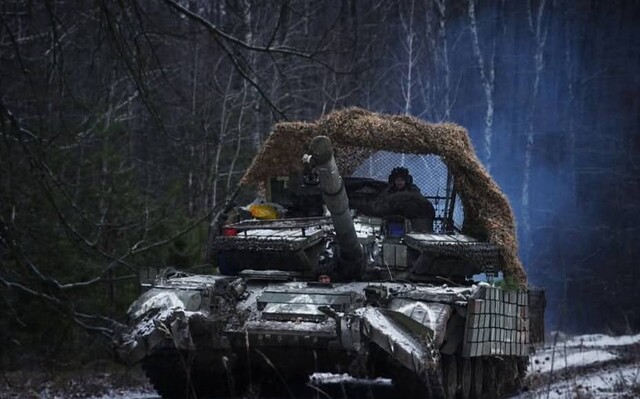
(411, 48)
(538, 31)
(442, 57)
(486, 67)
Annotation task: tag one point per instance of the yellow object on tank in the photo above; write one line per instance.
(263, 211)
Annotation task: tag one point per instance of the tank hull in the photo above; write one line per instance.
(221, 336)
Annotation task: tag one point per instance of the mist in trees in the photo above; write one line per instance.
(124, 125)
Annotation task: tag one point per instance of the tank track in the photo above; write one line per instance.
(167, 376)
(480, 378)
(174, 375)
(458, 377)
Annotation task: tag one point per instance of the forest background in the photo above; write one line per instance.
(124, 125)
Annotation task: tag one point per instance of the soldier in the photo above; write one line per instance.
(325, 269)
(402, 197)
(401, 180)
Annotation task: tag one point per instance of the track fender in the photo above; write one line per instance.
(405, 339)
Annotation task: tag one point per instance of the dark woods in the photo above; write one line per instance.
(123, 125)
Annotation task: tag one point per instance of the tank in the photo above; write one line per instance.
(362, 285)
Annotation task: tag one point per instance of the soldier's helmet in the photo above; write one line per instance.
(400, 172)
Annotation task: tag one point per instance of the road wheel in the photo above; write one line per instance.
(491, 384)
(522, 363)
(169, 375)
(450, 376)
(464, 378)
(477, 377)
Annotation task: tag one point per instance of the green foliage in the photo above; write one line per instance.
(508, 283)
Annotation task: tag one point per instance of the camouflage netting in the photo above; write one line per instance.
(357, 133)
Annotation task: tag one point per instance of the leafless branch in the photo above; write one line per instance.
(220, 34)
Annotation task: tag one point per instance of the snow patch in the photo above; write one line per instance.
(580, 351)
(546, 362)
(586, 366)
(330, 378)
(600, 340)
(621, 382)
(128, 394)
(161, 300)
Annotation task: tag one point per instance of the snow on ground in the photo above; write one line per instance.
(544, 363)
(614, 382)
(128, 394)
(587, 366)
(330, 378)
(601, 340)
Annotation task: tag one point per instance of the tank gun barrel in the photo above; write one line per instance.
(336, 200)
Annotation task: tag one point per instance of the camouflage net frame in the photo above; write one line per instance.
(357, 134)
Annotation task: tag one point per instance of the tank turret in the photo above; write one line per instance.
(334, 195)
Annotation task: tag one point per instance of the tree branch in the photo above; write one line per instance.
(220, 34)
